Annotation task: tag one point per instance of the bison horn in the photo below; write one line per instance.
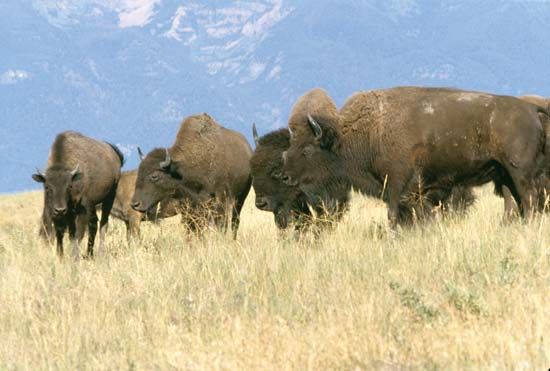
(75, 170)
(140, 153)
(255, 134)
(167, 161)
(315, 127)
(290, 131)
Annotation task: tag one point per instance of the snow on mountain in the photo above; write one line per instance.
(128, 71)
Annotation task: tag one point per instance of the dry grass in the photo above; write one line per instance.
(463, 293)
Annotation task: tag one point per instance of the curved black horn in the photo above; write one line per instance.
(255, 134)
(140, 153)
(315, 127)
(167, 161)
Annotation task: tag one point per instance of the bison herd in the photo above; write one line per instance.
(418, 149)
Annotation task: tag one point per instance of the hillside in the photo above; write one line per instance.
(129, 71)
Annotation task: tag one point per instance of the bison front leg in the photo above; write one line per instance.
(510, 208)
(106, 207)
(92, 231)
(132, 227)
(75, 227)
(395, 190)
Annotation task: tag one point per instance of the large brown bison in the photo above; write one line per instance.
(424, 140)
(207, 166)
(510, 207)
(123, 210)
(81, 174)
(287, 202)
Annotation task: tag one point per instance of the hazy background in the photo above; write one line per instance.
(128, 71)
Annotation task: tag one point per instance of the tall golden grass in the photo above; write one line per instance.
(459, 293)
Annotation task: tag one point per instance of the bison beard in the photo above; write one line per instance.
(418, 138)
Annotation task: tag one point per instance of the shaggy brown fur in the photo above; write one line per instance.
(81, 174)
(510, 207)
(208, 167)
(429, 139)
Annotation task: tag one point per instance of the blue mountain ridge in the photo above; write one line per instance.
(75, 67)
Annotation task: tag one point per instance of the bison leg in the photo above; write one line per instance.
(47, 229)
(510, 208)
(396, 187)
(92, 231)
(106, 207)
(523, 190)
(132, 227)
(81, 223)
(236, 214)
(75, 230)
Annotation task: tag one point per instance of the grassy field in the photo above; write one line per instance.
(462, 293)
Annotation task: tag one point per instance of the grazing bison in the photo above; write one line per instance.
(123, 210)
(426, 139)
(287, 203)
(207, 167)
(81, 174)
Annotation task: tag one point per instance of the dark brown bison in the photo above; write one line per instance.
(510, 207)
(207, 167)
(287, 203)
(81, 174)
(424, 140)
(123, 210)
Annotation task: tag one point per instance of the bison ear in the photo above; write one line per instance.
(255, 134)
(329, 140)
(76, 174)
(327, 137)
(39, 177)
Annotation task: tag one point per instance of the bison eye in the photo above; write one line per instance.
(307, 151)
(277, 174)
(154, 177)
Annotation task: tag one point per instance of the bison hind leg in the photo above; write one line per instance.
(106, 207)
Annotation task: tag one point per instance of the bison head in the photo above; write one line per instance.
(157, 179)
(314, 164)
(272, 194)
(61, 187)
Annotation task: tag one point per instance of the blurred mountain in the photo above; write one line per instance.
(128, 71)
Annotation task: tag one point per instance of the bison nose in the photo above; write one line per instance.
(261, 203)
(135, 205)
(60, 210)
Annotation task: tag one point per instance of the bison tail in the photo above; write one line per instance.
(118, 152)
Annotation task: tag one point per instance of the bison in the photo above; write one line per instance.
(123, 210)
(287, 203)
(510, 208)
(81, 173)
(208, 167)
(413, 138)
